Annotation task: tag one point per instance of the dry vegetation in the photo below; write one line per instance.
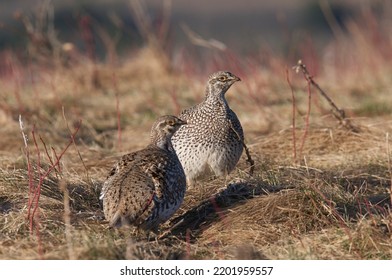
(333, 201)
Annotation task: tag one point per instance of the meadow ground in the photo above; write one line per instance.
(319, 190)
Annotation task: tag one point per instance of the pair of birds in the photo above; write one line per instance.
(146, 187)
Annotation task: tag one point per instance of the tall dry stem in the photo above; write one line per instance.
(307, 120)
(35, 189)
(67, 220)
(293, 116)
(338, 113)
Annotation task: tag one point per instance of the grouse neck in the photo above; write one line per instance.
(162, 142)
(215, 97)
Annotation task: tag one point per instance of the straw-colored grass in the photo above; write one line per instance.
(332, 202)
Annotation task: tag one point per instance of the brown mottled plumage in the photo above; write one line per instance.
(212, 139)
(146, 187)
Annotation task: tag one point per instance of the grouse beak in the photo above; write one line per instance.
(236, 79)
(181, 122)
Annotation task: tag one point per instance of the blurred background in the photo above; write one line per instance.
(243, 26)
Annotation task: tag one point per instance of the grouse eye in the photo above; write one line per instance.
(222, 78)
(171, 123)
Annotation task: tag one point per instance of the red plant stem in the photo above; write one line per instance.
(30, 175)
(47, 153)
(293, 119)
(37, 190)
(63, 152)
(306, 129)
(55, 154)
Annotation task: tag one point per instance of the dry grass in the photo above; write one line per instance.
(335, 204)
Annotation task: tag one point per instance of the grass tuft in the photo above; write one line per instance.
(316, 191)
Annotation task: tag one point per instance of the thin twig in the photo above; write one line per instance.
(306, 129)
(37, 189)
(57, 158)
(339, 114)
(34, 195)
(249, 158)
(57, 170)
(64, 150)
(73, 142)
(27, 153)
(32, 189)
(293, 119)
